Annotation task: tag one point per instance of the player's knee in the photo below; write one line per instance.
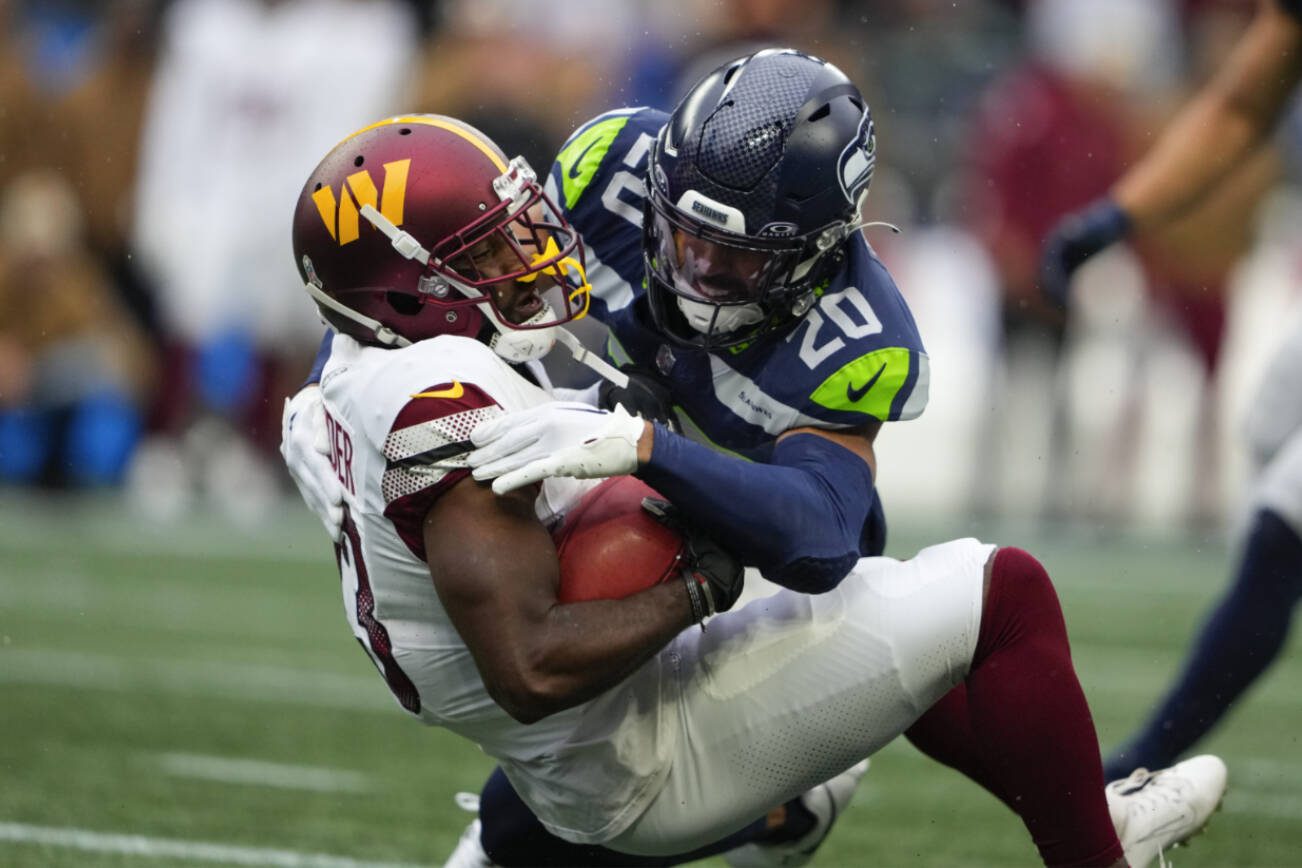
(1265, 431)
(1279, 488)
(1274, 552)
(508, 827)
(512, 836)
(504, 847)
(1020, 602)
(1022, 572)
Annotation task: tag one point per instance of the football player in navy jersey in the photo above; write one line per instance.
(724, 250)
(728, 262)
(725, 254)
(1234, 114)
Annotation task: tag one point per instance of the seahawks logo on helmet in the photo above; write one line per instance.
(855, 165)
(661, 179)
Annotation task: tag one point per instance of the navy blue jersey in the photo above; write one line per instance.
(855, 357)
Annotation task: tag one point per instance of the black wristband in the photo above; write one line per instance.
(694, 595)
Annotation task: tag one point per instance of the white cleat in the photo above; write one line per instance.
(826, 802)
(1154, 811)
(469, 852)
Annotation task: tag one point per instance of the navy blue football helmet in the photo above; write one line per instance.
(755, 183)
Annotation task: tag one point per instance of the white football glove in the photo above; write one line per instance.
(561, 438)
(305, 445)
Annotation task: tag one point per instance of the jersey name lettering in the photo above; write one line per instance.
(341, 452)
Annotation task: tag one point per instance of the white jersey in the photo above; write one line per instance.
(399, 421)
(710, 733)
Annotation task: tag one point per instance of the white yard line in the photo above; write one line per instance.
(295, 539)
(171, 848)
(262, 774)
(295, 550)
(195, 678)
(1108, 670)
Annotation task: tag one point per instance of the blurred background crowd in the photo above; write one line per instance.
(151, 319)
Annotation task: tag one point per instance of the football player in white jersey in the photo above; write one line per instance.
(1234, 114)
(632, 738)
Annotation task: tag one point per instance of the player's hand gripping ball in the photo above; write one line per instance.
(611, 547)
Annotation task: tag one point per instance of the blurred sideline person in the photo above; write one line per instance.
(483, 65)
(103, 119)
(1052, 134)
(73, 367)
(226, 138)
(1024, 629)
(1225, 123)
(1189, 261)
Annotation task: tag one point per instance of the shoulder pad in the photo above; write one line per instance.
(887, 384)
(863, 345)
(586, 150)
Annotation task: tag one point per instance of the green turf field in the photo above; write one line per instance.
(192, 695)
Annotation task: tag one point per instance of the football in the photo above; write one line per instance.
(609, 547)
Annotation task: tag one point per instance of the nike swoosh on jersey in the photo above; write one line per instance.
(578, 161)
(853, 394)
(455, 391)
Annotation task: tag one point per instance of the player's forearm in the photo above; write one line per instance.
(1194, 155)
(496, 573)
(580, 650)
(799, 519)
(537, 656)
(1231, 117)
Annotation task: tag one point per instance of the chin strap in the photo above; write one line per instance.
(402, 241)
(584, 356)
(581, 354)
(383, 333)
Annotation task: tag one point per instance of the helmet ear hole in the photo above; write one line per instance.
(406, 305)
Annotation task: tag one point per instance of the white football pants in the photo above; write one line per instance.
(793, 689)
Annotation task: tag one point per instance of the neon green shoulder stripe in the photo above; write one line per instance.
(582, 156)
(694, 432)
(615, 350)
(867, 385)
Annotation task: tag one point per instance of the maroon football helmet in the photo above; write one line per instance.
(402, 231)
